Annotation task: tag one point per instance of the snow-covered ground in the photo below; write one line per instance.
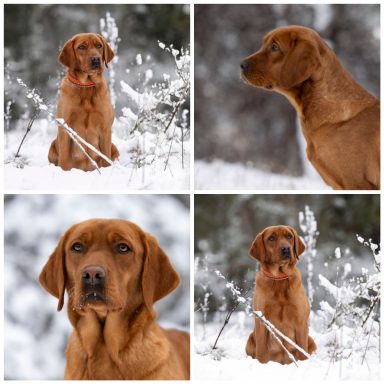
(221, 175)
(33, 171)
(229, 360)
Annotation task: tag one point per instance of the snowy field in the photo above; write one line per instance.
(221, 175)
(229, 361)
(35, 334)
(33, 171)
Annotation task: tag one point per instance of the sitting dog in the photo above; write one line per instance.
(84, 104)
(340, 120)
(279, 296)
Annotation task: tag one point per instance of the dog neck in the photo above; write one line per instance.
(269, 275)
(74, 80)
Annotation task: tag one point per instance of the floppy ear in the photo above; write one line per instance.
(67, 55)
(301, 61)
(108, 54)
(257, 250)
(159, 277)
(53, 277)
(299, 245)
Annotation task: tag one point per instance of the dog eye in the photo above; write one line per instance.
(274, 47)
(123, 248)
(272, 238)
(77, 247)
(98, 46)
(289, 237)
(82, 47)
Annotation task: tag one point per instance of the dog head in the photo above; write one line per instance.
(277, 245)
(87, 52)
(108, 265)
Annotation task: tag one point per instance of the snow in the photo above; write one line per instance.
(230, 362)
(33, 171)
(139, 59)
(222, 175)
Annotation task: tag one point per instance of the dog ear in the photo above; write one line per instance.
(299, 245)
(300, 63)
(159, 277)
(108, 54)
(67, 55)
(257, 250)
(53, 276)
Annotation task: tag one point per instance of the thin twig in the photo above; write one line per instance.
(287, 339)
(170, 148)
(73, 133)
(373, 304)
(73, 137)
(227, 317)
(36, 113)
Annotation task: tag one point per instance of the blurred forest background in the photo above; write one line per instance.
(35, 33)
(237, 123)
(35, 334)
(225, 226)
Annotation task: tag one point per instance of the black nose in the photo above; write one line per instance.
(93, 275)
(245, 66)
(286, 252)
(95, 61)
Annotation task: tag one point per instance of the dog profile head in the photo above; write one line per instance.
(289, 56)
(278, 245)
(108, 265)
(87, 52)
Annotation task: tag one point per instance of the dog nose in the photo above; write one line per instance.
(93, 275)
(245, 66)
(95, 60)
(286, 252)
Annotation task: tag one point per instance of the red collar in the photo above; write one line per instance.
(76, 81)
(282, 276)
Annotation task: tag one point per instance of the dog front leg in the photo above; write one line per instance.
(64, 150)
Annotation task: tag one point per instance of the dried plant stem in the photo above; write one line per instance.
(35, 114)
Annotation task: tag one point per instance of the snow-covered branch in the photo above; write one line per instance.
(308, 226)
(110, 32)
(155, 117)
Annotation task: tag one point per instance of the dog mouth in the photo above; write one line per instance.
(256, 81)
(92, 296)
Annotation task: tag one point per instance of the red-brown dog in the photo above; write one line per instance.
(339, 119)
(114, 272)
(280, 296)
(84, 104)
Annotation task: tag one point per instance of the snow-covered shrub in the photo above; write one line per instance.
(350, 315)
(156, 122)
(308, 226)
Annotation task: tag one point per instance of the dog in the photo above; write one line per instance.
(279, 296)
(114, 272)
(339, 119)
(84, 104)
